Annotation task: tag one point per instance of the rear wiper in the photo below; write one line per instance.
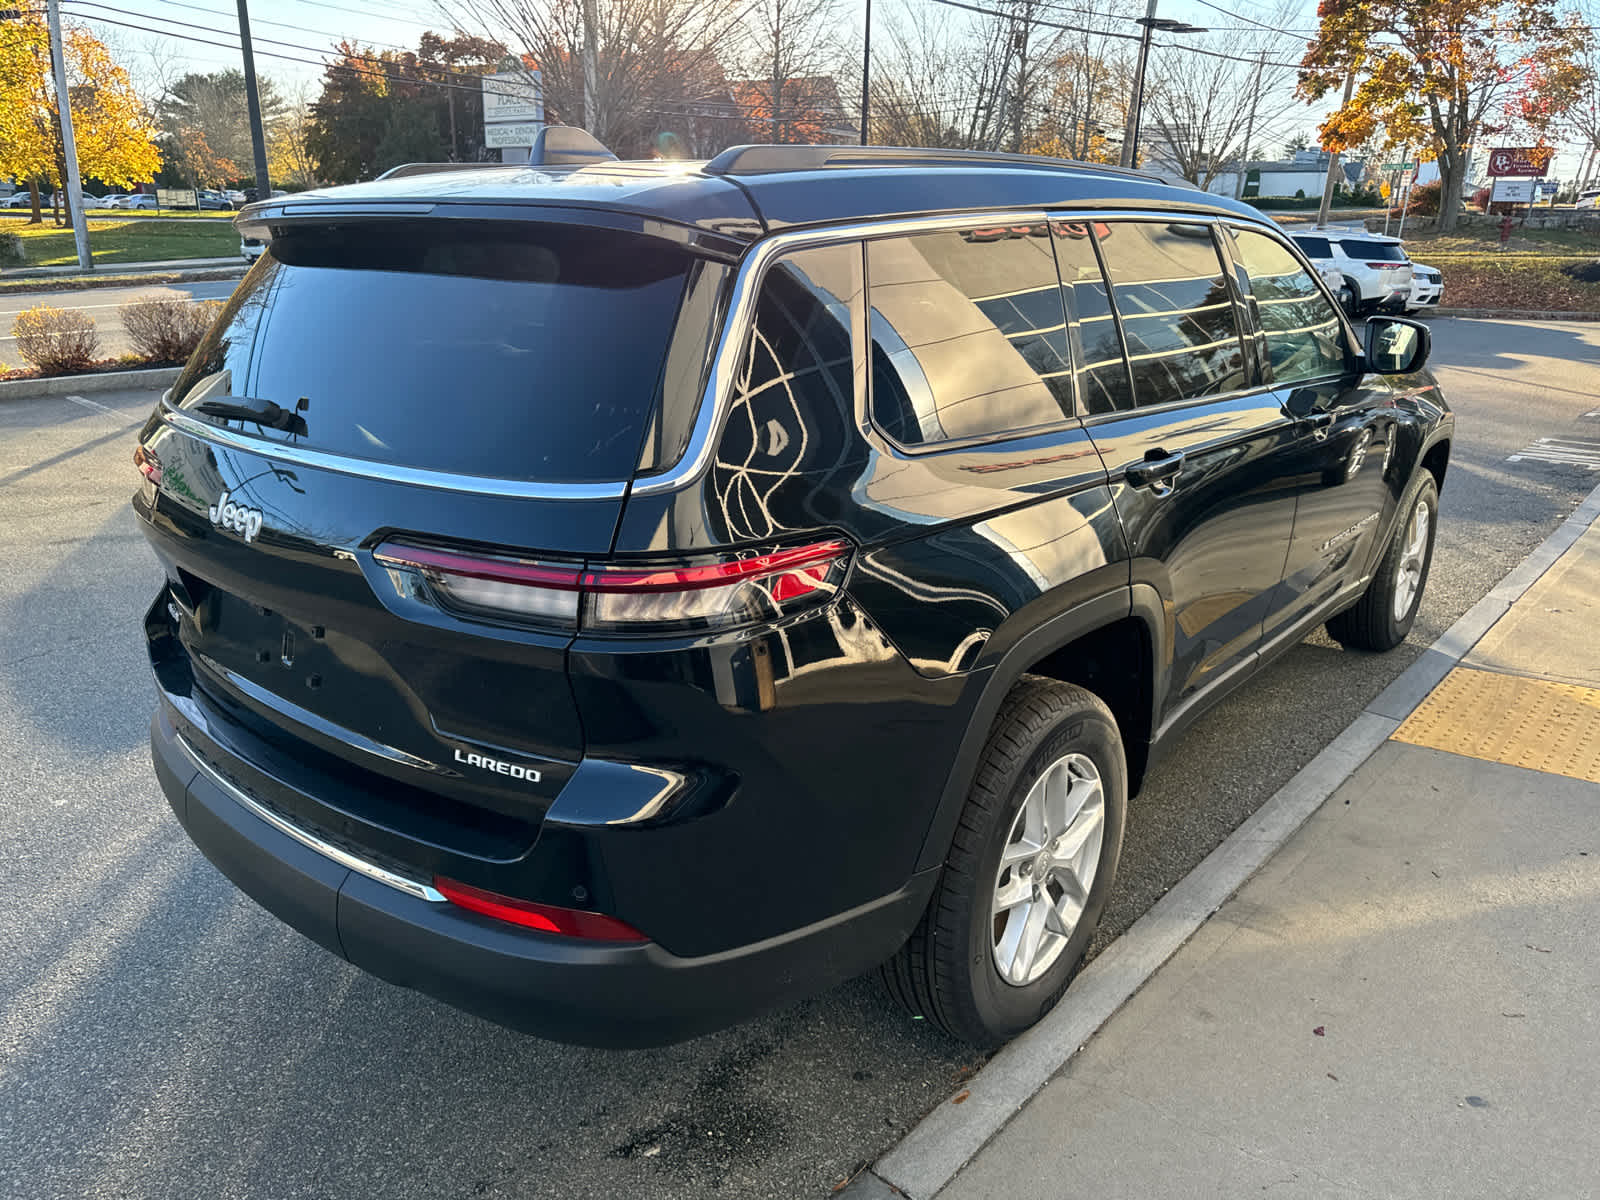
(260, 412)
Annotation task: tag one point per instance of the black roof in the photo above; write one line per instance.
(751, 190)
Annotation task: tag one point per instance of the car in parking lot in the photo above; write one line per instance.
(1427, 287)
(143, 201)
(1374, 268)
(619, 598)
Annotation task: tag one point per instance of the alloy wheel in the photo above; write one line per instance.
(1047, 869)
(1409, 578)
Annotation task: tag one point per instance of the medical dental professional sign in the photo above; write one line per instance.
(513, 108)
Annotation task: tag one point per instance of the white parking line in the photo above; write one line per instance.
(84, 402)
(1567, 452)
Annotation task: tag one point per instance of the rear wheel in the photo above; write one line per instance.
(1382, 618)
(1028, 872)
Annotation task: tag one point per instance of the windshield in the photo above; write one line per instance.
(513, 351)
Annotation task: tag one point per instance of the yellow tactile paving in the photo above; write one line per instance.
(1533, 723)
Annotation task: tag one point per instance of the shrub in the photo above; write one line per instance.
(57, 341)
(10, 250)
(1424, 201)
(165, 330)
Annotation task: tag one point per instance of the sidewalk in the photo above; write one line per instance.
(1405, 1001)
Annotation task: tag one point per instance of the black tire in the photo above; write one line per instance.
(946, 971)
(1371, 623)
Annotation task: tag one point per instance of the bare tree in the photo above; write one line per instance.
(1202, 108)
(786, 44)
(608, 65)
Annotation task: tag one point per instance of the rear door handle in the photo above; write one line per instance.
(1154, 470)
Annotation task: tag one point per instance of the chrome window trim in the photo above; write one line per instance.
(717, 395)
(401, 883)
(367, 468)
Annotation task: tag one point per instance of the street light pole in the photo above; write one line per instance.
(1151, 22)
(69, 146)
(866, 76)
(252, 97)
(1130, 133)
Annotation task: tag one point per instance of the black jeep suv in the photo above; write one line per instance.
(617, 599)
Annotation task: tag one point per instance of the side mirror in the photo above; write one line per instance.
(1396, 346)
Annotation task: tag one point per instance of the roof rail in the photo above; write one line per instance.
(553, 146)
(763, 160)
(432, 168)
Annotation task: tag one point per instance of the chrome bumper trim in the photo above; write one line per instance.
(401, 883)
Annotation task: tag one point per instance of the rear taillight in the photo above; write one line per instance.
(1386, 266)
(705, 595)
(547, 918)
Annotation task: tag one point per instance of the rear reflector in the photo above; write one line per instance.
(547, 918)
(718, 594)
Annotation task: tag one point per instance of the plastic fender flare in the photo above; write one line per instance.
(1139, 600)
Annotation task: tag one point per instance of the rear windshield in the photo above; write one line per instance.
(513, 351)
(1374, 251)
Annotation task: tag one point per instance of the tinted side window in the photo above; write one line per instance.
(1304, 337)
(1102, 370)
(793, 412)
(968, 334)
(1315, 247)
(1177, 314)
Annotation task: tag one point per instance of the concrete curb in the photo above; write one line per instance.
(11, 285)
(929, 1157)
(100, 381)
(1513, 314)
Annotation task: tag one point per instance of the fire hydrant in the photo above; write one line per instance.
(1505, 229)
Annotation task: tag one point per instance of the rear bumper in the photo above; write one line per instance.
(560, 988)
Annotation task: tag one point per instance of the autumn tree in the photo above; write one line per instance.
(1443, 74)
(788, 50)
(205, 125)
(379, 109)
(115, 138)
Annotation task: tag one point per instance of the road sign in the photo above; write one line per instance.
(1511, 191)
(1410, 166)
(513, 96)
(507, 134)
(177, 198)
(1520, 160)
(1548, 187)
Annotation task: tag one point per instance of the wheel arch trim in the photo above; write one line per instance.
(1140, 601)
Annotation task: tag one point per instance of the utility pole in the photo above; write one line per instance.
(1333, 158)
(252, 95)
(69, 146)
(777, 69)
(1249, 128)
(866, 76)
(591, 74)
(1130, 133)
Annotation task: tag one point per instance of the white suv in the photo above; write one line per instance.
(1427, 287)
(1374, 268)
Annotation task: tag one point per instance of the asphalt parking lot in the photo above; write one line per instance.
(161, 1036)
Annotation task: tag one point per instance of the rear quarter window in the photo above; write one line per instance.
(511, 351)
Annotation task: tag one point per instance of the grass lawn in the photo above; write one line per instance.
(125, 240)
(1476, 239)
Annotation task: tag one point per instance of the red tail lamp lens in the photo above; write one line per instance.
(719, 594)
(547, 918)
